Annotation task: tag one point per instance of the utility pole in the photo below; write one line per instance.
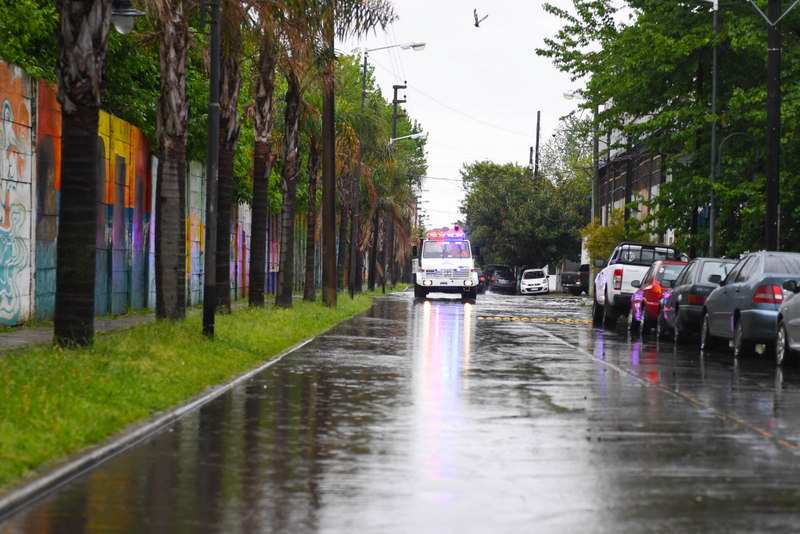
(212, 167)
(538, 131)
(712, 216)
(595, 167)
(388, 228)
(773, 122)
(530, 162)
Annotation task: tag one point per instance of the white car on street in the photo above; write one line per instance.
(534, 281)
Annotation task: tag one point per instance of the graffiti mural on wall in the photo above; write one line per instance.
(15, 194)
(48, 183)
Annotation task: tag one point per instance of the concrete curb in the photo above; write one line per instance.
(41, 486)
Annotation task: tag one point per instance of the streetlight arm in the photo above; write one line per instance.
(405, 46)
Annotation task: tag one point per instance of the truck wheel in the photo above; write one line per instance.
(609, 315)
(597, 313)
(420, 292)
(471, 294)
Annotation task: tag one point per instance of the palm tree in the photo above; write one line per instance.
(291, 155)
(343, 19)
(298, 30)
(262, 157)
(171, 19)
(347, 149)
(310, 289)
(230, 84)
(83, 32)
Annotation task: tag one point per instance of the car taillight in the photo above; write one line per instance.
(696, 300)
(494, 279)
(617, 279)
(768, 294)
(657, 289)
(483, 278)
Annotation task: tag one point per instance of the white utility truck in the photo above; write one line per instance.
(445, 265)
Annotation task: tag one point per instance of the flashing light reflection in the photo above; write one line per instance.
(442, 336)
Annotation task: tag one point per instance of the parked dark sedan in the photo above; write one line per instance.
(503, 280)
(681, 311)
(745, 306)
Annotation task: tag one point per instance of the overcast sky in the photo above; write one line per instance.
(474, 90)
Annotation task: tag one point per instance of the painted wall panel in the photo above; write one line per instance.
(30, 182)
(48, 183)
(16, 179)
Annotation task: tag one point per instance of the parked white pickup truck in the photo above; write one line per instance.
(613, 284)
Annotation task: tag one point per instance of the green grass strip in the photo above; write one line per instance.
(55, 402)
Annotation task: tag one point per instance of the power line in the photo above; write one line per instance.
(456, 110)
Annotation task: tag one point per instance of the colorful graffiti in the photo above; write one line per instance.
(15, 194)
(30, 184)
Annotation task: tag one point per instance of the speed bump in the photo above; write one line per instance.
(529, 319)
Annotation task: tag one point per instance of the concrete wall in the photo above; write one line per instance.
(30, 183)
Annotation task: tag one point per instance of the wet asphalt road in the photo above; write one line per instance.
(450, 417)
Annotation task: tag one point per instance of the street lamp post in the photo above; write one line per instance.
(712, 218)
(355, 269)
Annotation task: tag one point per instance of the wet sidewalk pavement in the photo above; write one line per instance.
(450, 417)
(27, 336)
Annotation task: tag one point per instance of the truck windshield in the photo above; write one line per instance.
(438, 250)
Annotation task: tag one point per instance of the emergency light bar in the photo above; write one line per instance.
(445, 234)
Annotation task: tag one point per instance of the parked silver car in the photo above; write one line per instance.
(744, 308)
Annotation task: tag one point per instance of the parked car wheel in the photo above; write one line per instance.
(741, 347)
(597, 313)
(609, 315)
(662, 330)
(420, 292)
(645, 324)
(707, 341)
(633, 323)
(782, 350)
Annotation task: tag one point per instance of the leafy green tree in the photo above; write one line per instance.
(514, 218)
(650, 74)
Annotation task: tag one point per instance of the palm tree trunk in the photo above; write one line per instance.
(310, 289)
(344, 245)
(170, 231)
(373, 252)
(329, 165)
(74, 311)
(291, 138)
(392, 265)
(262, 167)
(173, 112)
(230, 83)
(83, 33)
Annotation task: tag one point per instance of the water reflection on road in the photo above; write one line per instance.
(443, 416)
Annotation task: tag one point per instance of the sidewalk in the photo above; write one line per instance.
(26, 336)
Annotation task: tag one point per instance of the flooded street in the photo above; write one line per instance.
(509, 415)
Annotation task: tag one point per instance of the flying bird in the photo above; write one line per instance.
(479, 20)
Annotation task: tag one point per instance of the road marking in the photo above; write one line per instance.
(527, 319)
(697, 404)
